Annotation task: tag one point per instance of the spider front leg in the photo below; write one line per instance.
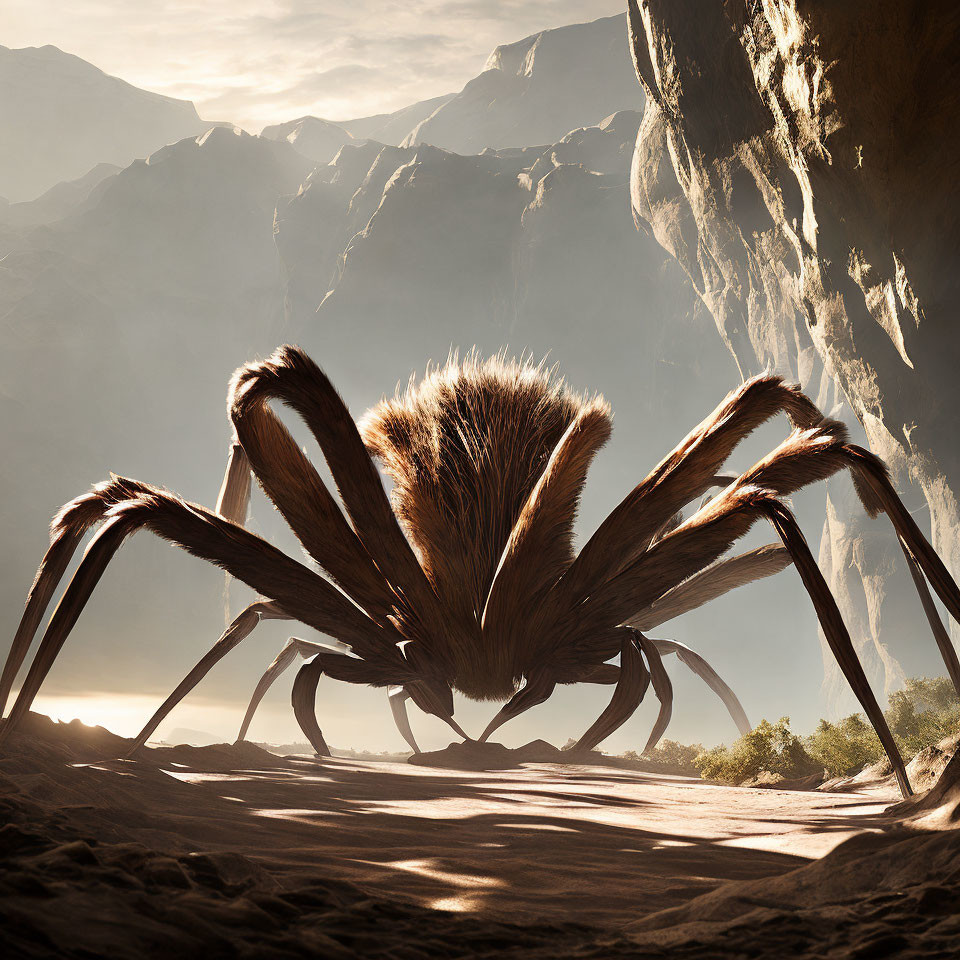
(398, 697)
(294, 646)
(299, 592)
(353, 670)
(538, 688)
(632, 681)
(239, 630)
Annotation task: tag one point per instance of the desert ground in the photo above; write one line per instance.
(234, 851)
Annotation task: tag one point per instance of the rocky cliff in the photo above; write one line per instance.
(797, 158)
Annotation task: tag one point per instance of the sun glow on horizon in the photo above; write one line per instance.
(125, 715)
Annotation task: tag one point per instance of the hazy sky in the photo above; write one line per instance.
(255, 62)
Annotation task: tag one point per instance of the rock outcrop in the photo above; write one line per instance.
(419, 250)
(393, 127)
(121, 326)
(799, 161)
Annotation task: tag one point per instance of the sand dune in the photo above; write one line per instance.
(246, 853)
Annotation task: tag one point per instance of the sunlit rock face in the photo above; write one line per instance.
(392, 128)
(798, 160)
(61, 116)
(537, 89)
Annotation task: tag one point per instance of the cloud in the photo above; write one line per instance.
(256, 62)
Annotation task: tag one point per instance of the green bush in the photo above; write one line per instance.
(923, 713)
(672, 756)
(678, 756)
(846, 746)
(768, 747)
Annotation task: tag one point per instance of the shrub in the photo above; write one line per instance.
(846, 746)
(674, 757)
(768, 747)
(922, 714)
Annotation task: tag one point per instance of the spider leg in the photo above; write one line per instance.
(294, 486)
(814, 455)
(239, 630)
(835, 630)
(662, 687)
(284, 659)
(605, 673)
(704, 537)
(233, 501)
(940, 634)
(713, 680)
(631, 686)
(537, 689)
(712, 582)
(877, 493)
(340, 667)
(291, 377)
(67, 530)
(622, 706)
(682, 476)
(303, 699)
(537, 551)
(299, 592)
(398, 697)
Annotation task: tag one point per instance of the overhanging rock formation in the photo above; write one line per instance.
(799, 160)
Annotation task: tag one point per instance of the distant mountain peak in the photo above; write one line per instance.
(61, 116)
(536, 89)
(314, 137)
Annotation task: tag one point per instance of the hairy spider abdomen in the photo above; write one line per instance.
(465, 448)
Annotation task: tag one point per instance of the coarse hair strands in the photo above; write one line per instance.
(465, 447)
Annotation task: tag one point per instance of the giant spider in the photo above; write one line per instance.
(469, 581)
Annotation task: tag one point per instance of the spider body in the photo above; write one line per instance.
(466, 578)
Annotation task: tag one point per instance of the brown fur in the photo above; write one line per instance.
(714, 581)
(467, 448)
(293, 378)
(291, 481)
